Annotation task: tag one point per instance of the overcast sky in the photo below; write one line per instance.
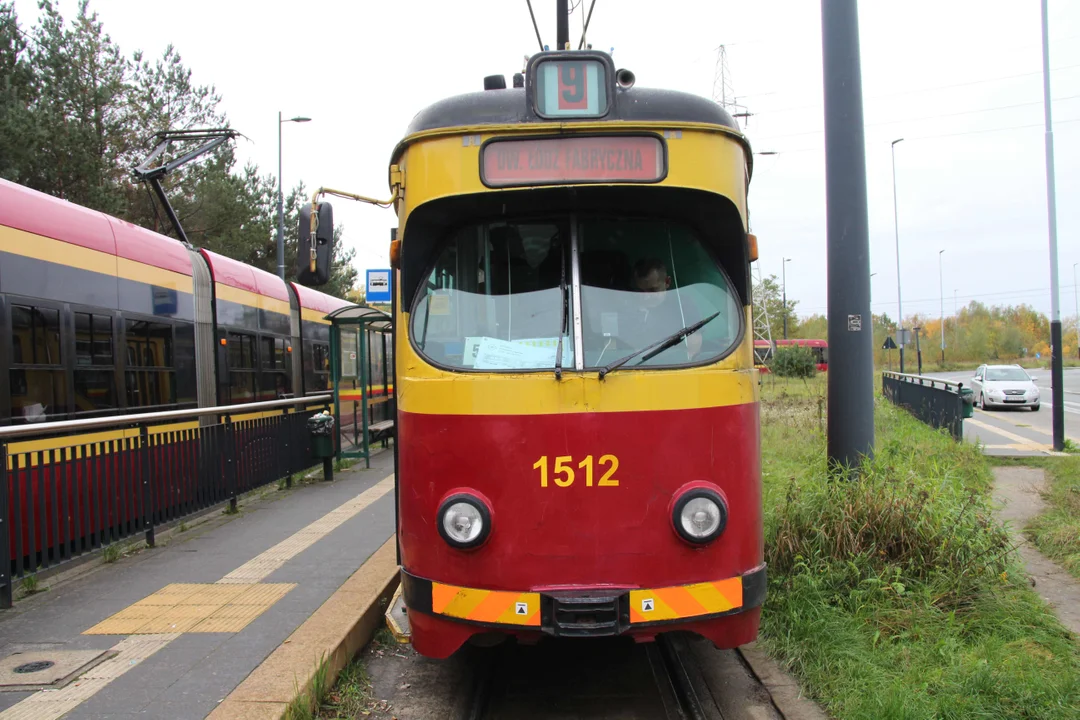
(959, 80)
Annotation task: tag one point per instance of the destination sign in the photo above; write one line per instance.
(571, 88)
(562, 160)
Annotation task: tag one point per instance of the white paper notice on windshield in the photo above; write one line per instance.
(495, 354)
(549, 346)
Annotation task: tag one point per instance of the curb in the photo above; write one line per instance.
(787, 696)
(332, 636)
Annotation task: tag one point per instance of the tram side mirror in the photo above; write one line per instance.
(322, 245)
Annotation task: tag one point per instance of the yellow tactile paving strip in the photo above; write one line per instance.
(260, 567)
(132, 650)
(181, 608)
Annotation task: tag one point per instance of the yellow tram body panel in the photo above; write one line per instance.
(445, 163)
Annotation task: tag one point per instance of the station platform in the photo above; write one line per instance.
(172, 631)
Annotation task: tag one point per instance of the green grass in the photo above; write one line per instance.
(351, 695)
(896, 594)
(29, 585)
(111, 553)
(1057, 531)
(308, 705)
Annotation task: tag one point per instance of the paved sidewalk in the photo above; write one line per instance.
(189, 621)
(1019, 491)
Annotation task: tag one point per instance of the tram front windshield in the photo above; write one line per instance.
(500, 295)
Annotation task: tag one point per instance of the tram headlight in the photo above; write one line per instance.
(699, 515)
(464, 521)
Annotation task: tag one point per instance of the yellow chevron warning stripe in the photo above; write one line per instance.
(685, 601)
(492, 606)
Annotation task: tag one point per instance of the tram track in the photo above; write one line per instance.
(657, 680)
(678, 677)
(672, 675)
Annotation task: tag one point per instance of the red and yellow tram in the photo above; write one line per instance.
(578, 432)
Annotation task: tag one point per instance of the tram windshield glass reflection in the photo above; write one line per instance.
(494, 298)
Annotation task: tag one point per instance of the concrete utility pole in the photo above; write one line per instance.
(851, 352)
(1056, 350)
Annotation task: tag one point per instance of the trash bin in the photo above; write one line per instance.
(968, 396)
(321, 427)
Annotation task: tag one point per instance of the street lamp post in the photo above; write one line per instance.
(783, 274)
(1076, 309)
(941, 288)
(955, 323)
(896, 227)
(1057, 419)
(281, 197)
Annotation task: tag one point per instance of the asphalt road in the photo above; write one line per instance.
(1019, 431)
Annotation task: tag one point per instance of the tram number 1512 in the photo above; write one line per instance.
(563, 471)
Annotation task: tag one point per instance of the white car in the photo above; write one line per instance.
(1004, 386)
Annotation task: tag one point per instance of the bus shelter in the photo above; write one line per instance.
(362, 369)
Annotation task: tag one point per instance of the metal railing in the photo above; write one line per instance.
(938, 403)
(67, 488)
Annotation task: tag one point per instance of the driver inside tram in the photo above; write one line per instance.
(660, 312)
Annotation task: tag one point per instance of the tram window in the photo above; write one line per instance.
(93, 339)
(282, 357)
(321, 363)
(241, 351)
(38, 395)
(37, 330)
(643, 280)
(278, 383)
(150, 379)
(267, 351)
(37, 379)
(150, 344)
(94, 390)
(274, 385)
(186, 372)
(241, 387)
(242, 365)
(493, 299)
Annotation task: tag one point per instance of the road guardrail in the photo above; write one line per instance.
(938, 403)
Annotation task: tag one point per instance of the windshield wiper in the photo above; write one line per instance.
(651, 351)
(565, 300)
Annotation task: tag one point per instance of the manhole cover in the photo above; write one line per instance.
(33, 667)
(47, 669)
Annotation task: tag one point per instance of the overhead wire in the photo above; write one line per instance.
(821, 148)
(913, 91)
(929, 117)
(1001, 295)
